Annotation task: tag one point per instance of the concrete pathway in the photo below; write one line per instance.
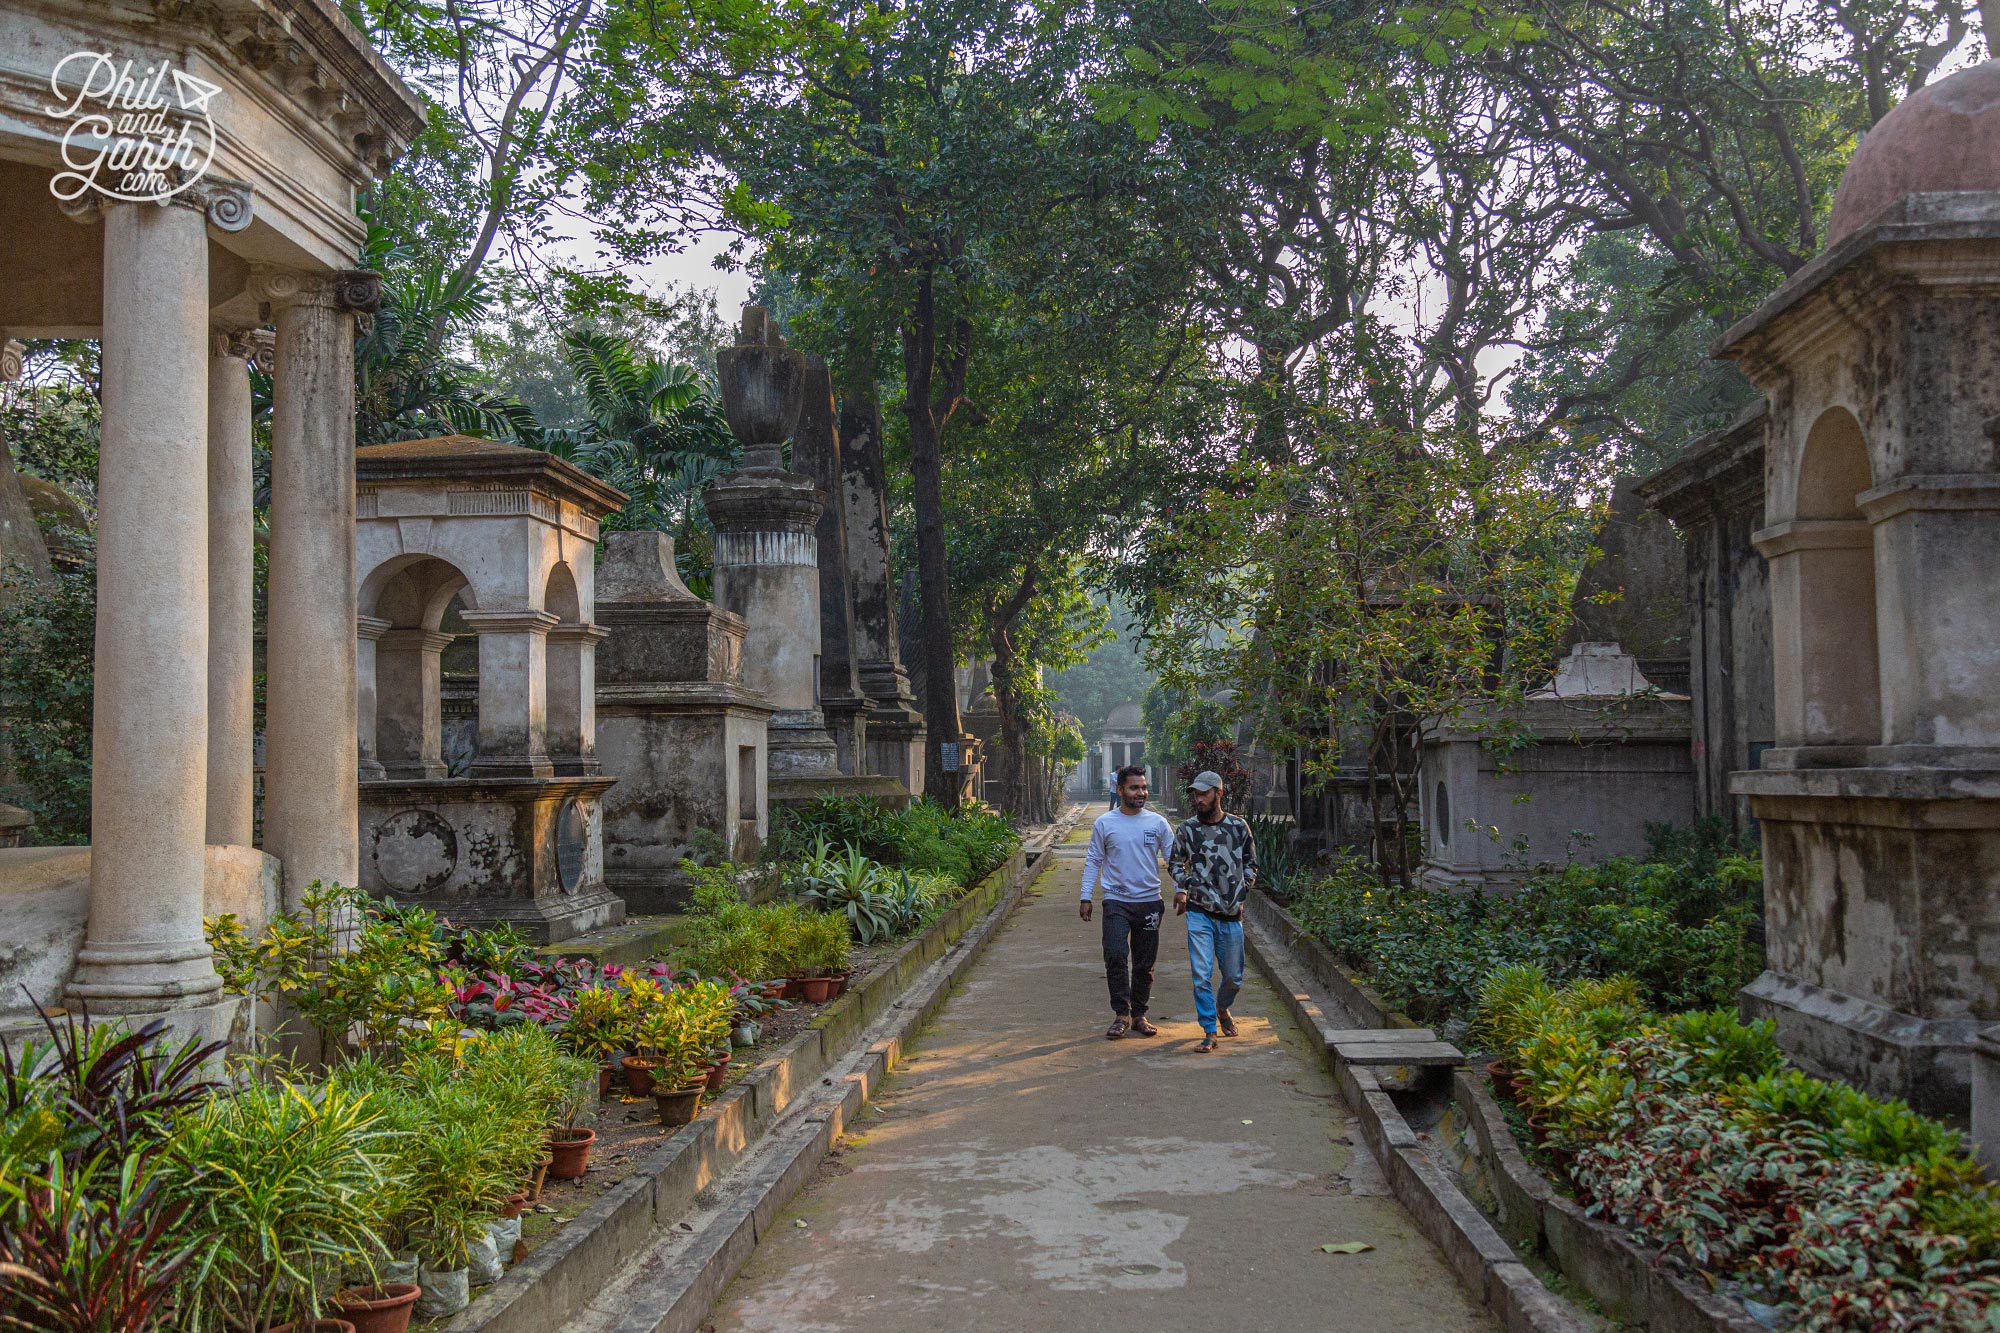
(1027, 1174)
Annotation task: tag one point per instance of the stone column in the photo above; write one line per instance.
(311, 758)
(143, 952)
(895, 725)
(767, 571)
(409, 722)
(1823, 632)
(572, 710)
(367, 639)
(816, 454)
(513, 693)
(232, 571)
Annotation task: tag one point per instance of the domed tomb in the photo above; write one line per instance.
(1943, 137)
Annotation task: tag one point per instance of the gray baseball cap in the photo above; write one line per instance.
(1205, 781)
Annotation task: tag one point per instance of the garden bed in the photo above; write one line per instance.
(613, 1223)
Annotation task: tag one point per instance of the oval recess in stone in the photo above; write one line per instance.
(572, 832)
(415, 851)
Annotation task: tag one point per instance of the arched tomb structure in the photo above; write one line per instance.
(506, 537)
(1880, 799)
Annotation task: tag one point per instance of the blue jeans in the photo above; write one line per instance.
(1214, 942)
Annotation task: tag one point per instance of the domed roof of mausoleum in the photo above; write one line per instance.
(1943, 137)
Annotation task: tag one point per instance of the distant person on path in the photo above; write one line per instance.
(1126, 847)
(1111, 784)
(1214, 865)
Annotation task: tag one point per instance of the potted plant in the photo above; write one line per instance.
(599, 1028)
(824, 951)
(384, 1307)
(682, 1082)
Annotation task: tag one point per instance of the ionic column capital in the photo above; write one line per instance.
(350, 291)
(225, 203)
(13, 355)
(510, 622)
(237, 343)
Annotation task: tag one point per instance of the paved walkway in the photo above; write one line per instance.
(1027, 1174)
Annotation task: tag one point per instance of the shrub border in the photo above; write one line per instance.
(1531, 1213)
(553, 1284)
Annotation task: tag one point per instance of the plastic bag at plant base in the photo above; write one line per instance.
(505, 1231)
(444, 1293)
(485, 1260)
(401, 1268)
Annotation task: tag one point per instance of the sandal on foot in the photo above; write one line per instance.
(1208, 1043)
(1142, 1028)
(1117, 1030)
(1228, 1023)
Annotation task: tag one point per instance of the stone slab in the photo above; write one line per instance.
(1429, 1054)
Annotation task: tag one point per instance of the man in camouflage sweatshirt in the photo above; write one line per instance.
(1214, 865)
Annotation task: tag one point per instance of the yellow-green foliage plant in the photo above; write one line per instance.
(284, 1186)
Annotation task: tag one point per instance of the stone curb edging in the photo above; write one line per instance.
(1532, 1213)
(1353, 994)
(1597, 1256)
(684, 1292)
(1475, 1249)
(555, 1282)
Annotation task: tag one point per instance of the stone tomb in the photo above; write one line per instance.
(1607, 755)
(1880, 801)
(507, 538)
(676, 724)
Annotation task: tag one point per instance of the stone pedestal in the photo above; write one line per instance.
(1608, 757)
(481, 851)
(675, 725)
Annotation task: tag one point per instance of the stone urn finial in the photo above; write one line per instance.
(763, 386)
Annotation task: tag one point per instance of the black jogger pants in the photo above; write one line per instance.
(1131, 947)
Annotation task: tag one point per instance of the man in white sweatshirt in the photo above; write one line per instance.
(1126, 848)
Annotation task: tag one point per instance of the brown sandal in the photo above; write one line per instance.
(1117, 1029)
(1141, 1027)
(1208, 1043)
(1228, 1023)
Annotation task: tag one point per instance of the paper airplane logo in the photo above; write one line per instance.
(195, 94)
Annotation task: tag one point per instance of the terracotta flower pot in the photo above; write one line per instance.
(639, 1075)
(515, 1203)
(604, 1080)
(840, 984)
(1506, 1083)
(379, 1309)
(795, 988)
(818, 990)
(716, 1073)
(775, 989)
(541, 1174)
(316, 1326)
(570, 1149)
(679, 1106)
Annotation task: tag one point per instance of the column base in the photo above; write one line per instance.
(218, 1020)
(896, 746)
(799, 745)
(144, 977)
(510, 768)
(1926, 1062)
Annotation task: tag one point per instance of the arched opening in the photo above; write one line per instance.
(417, 597)
(1832, 552)
(570, 671)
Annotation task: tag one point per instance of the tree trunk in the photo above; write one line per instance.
(940, 697)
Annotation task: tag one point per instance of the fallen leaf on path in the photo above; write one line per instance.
(1346, 1247)
(1248, 1122)
(799, 1222)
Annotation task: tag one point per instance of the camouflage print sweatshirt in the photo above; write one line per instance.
(1214, 864)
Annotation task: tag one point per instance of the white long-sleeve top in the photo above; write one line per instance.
(1125, 855)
